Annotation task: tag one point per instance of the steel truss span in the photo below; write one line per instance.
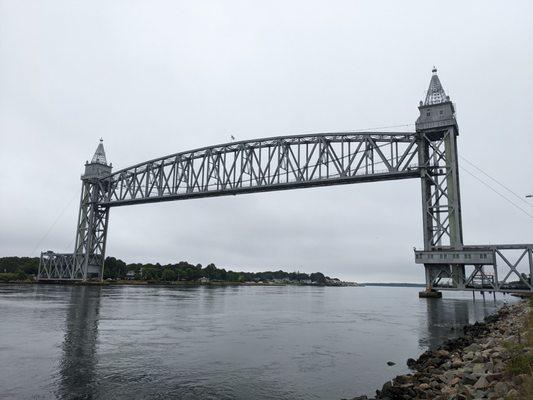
(277, 163)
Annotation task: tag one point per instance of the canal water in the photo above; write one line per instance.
(232, 342)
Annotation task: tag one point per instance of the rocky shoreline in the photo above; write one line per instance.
(491, 360)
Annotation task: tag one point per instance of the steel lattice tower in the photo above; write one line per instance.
(89, 251)
(437, 132)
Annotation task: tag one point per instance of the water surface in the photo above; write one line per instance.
(233, 342)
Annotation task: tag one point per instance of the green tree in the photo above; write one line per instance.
(229, 276)
(21, 276)
(209, 271)
(151, 273)
(114, 268)
(168, 275)
(318, 277)
(29, 265)
(193, 273)
(8, 276)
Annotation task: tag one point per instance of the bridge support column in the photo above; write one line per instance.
(91, 233)
(437, 133)
(87, 261)
(429, 293)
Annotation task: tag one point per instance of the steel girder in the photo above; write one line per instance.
(500, 273)
(276, 163)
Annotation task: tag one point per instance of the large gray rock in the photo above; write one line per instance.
(478, 368)
(481, 383)
(501, 388)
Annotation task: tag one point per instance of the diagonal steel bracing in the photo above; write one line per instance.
(278, 163)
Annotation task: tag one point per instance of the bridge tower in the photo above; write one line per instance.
(91, 232)
(437, 131)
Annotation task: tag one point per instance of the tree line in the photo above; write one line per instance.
(116, 269)
(18, 268)
(183, 271)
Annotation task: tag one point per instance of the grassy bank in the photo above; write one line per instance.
(520, 363)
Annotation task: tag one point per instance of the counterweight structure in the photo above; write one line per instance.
(301, 161)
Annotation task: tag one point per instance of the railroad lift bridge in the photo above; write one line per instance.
(302, 161)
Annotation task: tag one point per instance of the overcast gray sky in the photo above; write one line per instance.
(157, 77)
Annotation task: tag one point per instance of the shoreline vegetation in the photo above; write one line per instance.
(492, 360)
(117, 272)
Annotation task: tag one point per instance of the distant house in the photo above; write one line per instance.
(204, 280)
(130, 275)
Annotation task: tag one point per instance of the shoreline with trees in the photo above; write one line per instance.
(116, 271)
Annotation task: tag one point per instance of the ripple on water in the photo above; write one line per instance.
(128, 342)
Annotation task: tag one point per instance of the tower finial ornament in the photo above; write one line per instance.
(99, 154)
(437, 109)
(435, 94)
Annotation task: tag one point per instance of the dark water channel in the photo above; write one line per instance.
(234, 342)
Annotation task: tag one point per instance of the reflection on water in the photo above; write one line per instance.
(238, 342)
(78, 362)
(445, 318)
